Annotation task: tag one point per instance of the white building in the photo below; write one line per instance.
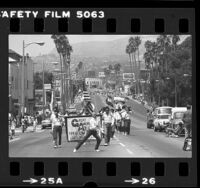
(93, 82)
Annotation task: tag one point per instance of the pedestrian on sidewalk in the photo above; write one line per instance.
(93, 129)
(56, 128)
(12, 127)
(108, 121)
(34, 123)
(187, 120)
(23, 124)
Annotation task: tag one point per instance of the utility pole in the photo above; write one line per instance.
(22, 81)
(43, 89)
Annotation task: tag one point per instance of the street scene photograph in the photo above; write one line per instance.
(101, 96)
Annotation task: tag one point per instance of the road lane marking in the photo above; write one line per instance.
(122, 144)
(39, 131)
(129, 151)
(15, 139)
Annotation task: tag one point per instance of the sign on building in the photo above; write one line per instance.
(47, 86)
(77, 126)
(128, 76)
(101, 75)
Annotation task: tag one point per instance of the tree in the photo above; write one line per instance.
(117, 68)
(64, 49)
(128, 51)
(168, 59)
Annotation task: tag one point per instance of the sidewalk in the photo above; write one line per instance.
(29, 129)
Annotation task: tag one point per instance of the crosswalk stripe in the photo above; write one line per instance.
(122, 144)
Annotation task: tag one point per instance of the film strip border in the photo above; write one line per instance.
(113, 172)
(111, 25)
(151, 21)
(102, 172)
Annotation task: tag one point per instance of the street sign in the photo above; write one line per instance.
(47, 86)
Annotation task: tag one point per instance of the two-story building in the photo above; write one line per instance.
(15, 83)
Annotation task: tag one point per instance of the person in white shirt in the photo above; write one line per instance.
(118, 120)
(108, 122)
(56, 127)
(12, 127)
(126, 120)
(113, 125)
(92, 130)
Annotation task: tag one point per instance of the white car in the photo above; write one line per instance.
(161, 121)
(46, 123)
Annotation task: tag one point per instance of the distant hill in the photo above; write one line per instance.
(93, 54)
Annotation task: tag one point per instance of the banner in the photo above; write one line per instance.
(76, 127)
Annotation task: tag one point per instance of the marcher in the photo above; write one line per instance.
(123, 113)
(187, 120)
(92, 130)
(56, 127)
(118, 119)
(126, 120)
(108, 121)
(113, 127)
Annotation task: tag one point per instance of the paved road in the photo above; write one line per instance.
(141, 142)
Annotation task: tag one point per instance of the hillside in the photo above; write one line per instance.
(93, 54)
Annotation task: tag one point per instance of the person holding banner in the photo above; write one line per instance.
(93, 130)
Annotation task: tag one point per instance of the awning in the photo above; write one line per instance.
(12, 60)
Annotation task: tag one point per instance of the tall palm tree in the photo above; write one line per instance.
(64, 49)
(128, 51)
(137, 44)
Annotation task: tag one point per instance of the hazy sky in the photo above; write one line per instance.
(15, 41)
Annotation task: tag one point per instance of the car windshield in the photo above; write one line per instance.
(165, 111)
(163, 116)
(178, 115)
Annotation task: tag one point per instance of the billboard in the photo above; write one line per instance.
(76, 127)
(128, 76)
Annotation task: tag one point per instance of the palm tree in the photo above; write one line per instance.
(137, 44)
(128, 51)
(64, 49)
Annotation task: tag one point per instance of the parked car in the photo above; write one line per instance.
(161, 122)
(163, 110)
(177, 116)
(46, 124)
